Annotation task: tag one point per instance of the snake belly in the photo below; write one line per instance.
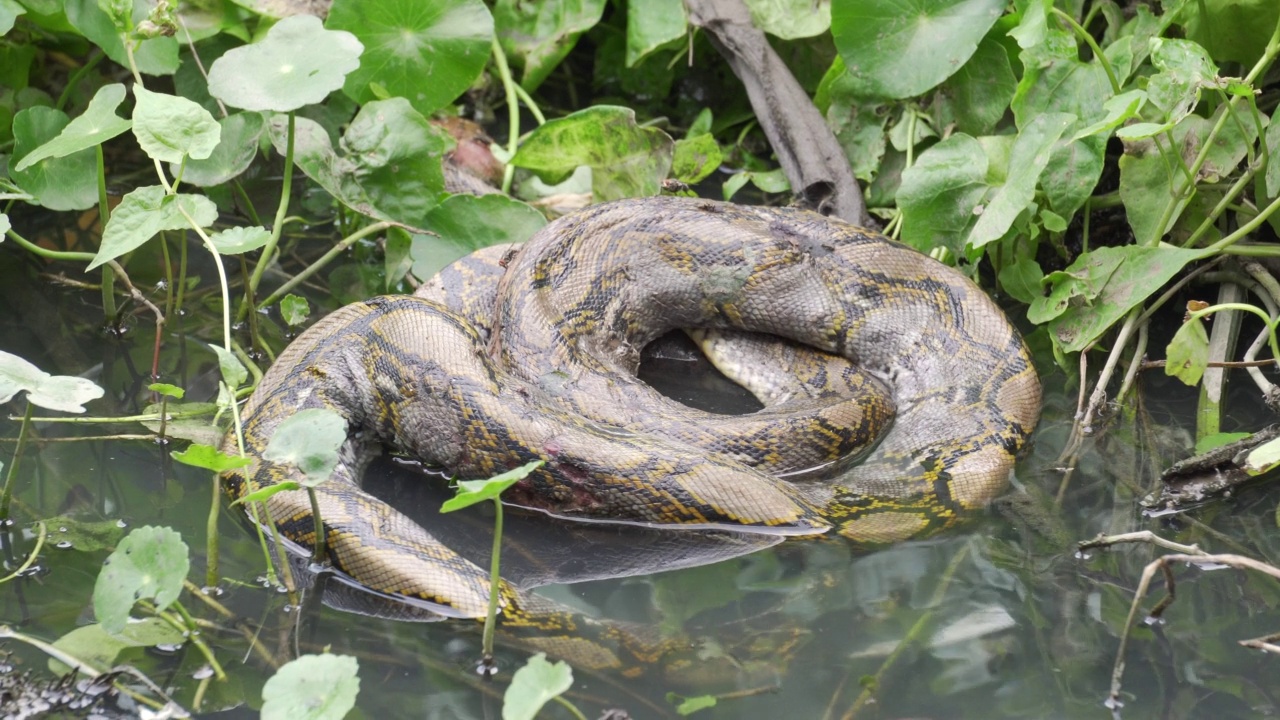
(555, 381)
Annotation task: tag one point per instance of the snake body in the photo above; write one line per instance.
(551, 377)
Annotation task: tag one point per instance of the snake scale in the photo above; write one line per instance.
(550, 375)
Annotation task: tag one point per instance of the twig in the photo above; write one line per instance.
(1146, 536)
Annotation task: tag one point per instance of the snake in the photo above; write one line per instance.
(906, 366)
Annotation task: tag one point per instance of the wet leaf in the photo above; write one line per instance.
(294, 310)
(146, 211)
(626, 160)
(465, 223)
(63, 183)
(471, 492)
(1114, 280)
(791, 19)
(312, 687)
(533, 685)
(298, 63)
(652, 25)
(209, 458)
(309, 440)
(695, 158)
(405, 42)
(99, 648)
(390, 168)
(1023, 280)
(169, 128)
(149, 564)
(896, 50)
(98, 124)
(187, 421)
(1188, 353)
(52, 392)
(540, 34)
(84, 535)
(154, 56)
(236, 240)
(233, 155)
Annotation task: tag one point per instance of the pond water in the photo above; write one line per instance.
(998, 618)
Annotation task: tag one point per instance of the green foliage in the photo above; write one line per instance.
(209, 458)
(53, 392)
(99, 648)
(471, 492)
(463, 224)
(150, 563)
(312, 687)
(533, 685)
(309, 440)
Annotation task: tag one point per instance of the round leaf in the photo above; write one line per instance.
(466, 223)
(901, 48)
(309, 439)
(406, 43)
(233, 155)
(533, 685)
(298, 63)
(313, 687)
(150, 563)
(234, 241)
(63, 183)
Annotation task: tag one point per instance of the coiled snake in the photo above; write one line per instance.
(554, 380)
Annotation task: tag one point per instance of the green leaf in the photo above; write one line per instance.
(1272, 177)
(294, 310)
(391, 168)
(790, 19)
(1185, 69)
(146, 211)
(1111, 281)
(695, 158)
(1230, 30)
(236, 240)
(1023, 280)
(64, 183)
(1263, 459)
(98, 124)
(88, 536)
(1188, 353)
(4, 225)
(626, 160)
(298, 63)
(154, 56)
(533, 685)
(233, 372)
(170, 128)
(98, 648)
(149, 564)
(691, 705)
(210, 458)
(309, 440)
(980, 90)
(898, 49)
(52, 392)
(940, 191)
(538, 35)
(312, 687)
(652, 25)
(233, 155)
(773, 181)
(465, 223)
(167, 390)
(471, 492)
(9, 12)
(447, 41)
(1027, 159)
(186, 421)
(1217, 440)
(1119, 109)
(264, 493)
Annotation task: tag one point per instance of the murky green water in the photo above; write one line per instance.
(998, 619)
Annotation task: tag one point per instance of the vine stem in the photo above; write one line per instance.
(325, 259)
(1244, 307)
(286, 189)
(1093, 45)
(6, 497)
(490, 618)
(513, 113)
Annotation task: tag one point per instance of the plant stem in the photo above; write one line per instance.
(31, 558)
(320, 549)
(6, 497)
(325, 259)
(513, 113)
(1093, 45)
(491, 616)
(286, 189)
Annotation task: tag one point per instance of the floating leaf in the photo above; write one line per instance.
(691, 705)
(1188, 353)
(471, 492)
(309, 440)
(234, 241)
(312, 687)
(98, 124)
(52, 392)
(463, 224)
(186, 421)
(298, 63)
(149, 564)
(898, 49)
(99, 648)
(84, 535)
(210, 458)
(447, 41)
(533, 685)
